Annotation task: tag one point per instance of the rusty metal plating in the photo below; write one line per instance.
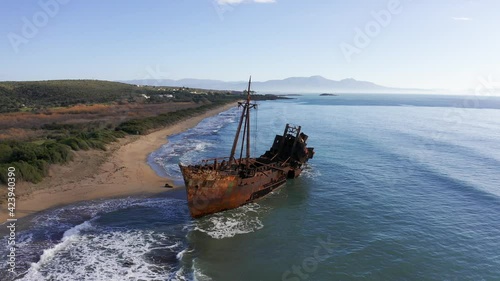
(220, 184)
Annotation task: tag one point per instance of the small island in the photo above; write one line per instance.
(328, 95)
(290, 95)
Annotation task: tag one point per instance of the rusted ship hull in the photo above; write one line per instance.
(215, 185)
(210, 191)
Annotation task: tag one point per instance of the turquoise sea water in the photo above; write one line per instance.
(400, 188)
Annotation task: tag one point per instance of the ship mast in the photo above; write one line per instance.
(245, 116)
(248, 121)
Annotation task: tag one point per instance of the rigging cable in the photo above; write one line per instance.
(255, 131)
(243, 136)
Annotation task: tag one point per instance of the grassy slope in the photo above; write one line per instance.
(62, 93)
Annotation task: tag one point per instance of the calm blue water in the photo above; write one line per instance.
(400, 188)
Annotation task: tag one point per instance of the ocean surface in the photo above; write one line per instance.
(402, 187)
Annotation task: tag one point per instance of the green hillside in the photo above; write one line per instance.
(16, 96)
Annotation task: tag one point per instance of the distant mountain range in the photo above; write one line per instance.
(313, 84)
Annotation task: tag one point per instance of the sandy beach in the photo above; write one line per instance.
(120, 171)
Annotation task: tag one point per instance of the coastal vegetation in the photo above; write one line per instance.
(38, 95)
(56, 118)
(32, 159)
(143, 125)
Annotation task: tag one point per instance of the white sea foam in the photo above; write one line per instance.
(198, 275)
(69, 236)
(310, 172)
(88, 253)
(24, 240)
(179, 276)
(108, 255)
(180, 255)
(231, 223)
(201, 146)
(188, 226)
(57, 218)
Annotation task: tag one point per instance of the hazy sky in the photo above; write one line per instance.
(448, 44)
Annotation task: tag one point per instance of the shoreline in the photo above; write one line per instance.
(119, 172)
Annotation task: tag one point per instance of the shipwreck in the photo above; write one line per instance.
(220, 184)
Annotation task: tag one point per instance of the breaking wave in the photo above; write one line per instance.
(71, 235)
(309, 171)
(198, 274)
(107, 255)
(228, 224)
(59, 246)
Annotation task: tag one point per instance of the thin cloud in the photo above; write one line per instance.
(462, 18)
(235, 2)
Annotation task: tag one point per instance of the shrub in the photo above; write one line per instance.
(5, 153)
